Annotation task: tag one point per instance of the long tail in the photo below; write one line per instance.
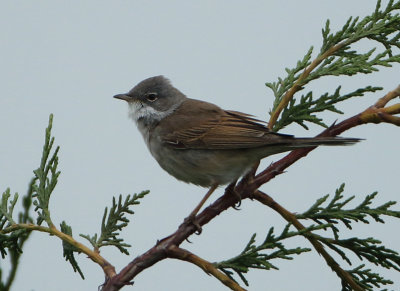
(328, 141)
(288, 143)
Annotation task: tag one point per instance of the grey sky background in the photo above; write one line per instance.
(70, 59)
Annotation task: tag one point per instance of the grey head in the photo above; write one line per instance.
(152, 99)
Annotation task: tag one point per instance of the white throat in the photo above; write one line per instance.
(139, 111)
(145, 116)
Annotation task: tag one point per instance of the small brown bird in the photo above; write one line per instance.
(198, 142)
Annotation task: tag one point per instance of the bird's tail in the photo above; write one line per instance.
(289, 143)
(326, 141)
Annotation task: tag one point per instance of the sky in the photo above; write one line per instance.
(70, 59)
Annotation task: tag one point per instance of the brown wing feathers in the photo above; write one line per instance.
(225, 130)
(210, 127)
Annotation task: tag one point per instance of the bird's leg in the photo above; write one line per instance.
(231, 189)
(201, 203)
(192, 215)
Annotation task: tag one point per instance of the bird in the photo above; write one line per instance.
(198, 142)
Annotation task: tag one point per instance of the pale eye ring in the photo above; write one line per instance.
(151, 97)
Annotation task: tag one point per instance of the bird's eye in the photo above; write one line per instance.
(151, 97)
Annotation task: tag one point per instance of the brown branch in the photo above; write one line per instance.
(388, 97)
(379, 113)
(108, 269)
(374, 114)
(209, 268)
(290, 217)
(246, 189)
(160, 250)
(301, 81)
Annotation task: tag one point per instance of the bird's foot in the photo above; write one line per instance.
(191, 220)
(231, 190)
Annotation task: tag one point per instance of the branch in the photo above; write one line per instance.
(114, 221)
(209, 268)
(374, 114)
(290, 217)
(23, 217)
(379, 113)
(300, 82)
(108, 269)
(337, 59)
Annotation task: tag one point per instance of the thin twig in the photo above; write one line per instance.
(108, 269)
(373, 114)
(379, 113)
(300, 82)
(389, 96)
(209, 268)
(290, 217)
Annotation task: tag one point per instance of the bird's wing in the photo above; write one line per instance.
(221, 129)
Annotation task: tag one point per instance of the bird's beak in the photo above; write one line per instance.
(123, 97)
